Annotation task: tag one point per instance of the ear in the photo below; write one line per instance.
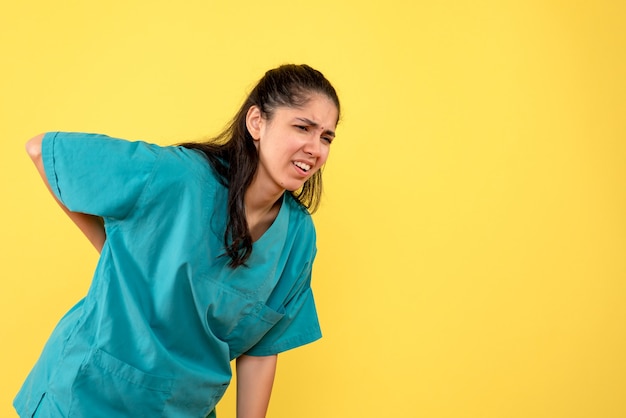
(254, 120)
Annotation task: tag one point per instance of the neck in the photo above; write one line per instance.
(260, 200)
(262, 207)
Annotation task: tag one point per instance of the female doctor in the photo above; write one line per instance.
(206, 256)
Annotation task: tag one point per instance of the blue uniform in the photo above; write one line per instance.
(164, 315)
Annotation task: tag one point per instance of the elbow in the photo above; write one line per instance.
(33, 147)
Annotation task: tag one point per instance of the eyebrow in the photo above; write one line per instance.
(316, 125)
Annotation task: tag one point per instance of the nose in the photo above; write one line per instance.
(313, 146)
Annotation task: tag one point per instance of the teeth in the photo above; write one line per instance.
(303, 166)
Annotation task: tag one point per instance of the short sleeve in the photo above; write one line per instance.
(299, 325)
(96, 174)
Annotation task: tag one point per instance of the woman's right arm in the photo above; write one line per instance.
(92, 226)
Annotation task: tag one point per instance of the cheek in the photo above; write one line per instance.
(324, 156)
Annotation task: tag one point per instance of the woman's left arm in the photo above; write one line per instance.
(255, 378)
(91, 226)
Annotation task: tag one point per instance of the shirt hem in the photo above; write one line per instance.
(285, 345)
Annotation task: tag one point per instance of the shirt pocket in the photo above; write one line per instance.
(239, 321)
(108, 387)
(252, 327)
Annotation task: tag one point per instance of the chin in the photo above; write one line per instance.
(293, 189)
(293, 186)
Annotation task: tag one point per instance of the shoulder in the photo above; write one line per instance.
(299, 215)
(76, 145)
(165, 165)
(177, 159)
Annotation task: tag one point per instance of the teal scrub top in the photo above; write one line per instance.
(164, 315)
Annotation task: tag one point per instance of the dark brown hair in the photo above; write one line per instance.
(234, 157)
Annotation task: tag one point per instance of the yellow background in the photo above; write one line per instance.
(472, 241)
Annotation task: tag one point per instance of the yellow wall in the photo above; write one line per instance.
(473, 237)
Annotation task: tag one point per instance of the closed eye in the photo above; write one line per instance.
(302, 128)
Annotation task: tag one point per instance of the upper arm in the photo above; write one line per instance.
(91, 226)
(94, 174)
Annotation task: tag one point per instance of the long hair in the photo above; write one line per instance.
(235, 159)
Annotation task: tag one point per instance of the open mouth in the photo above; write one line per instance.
(302, 166)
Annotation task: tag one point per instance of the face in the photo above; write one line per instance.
(294, 143)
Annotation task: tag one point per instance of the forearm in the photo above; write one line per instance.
(255, 378)
(91, 226)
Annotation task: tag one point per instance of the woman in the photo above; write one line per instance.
(206, 255)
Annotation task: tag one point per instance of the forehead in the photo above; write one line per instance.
(318, 108)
